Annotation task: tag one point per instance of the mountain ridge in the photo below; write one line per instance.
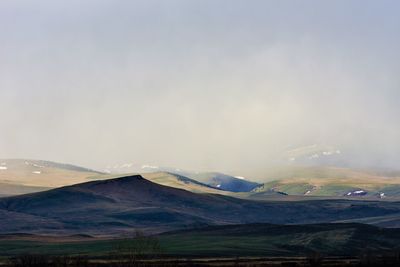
(120, 205)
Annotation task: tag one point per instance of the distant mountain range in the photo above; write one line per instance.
(214, 179)
(28, 176)
(120, 205)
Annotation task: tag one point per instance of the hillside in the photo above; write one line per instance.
(10, 189)
(224, 182)
(39, 173)
(115, 206)
(212, 179)
(181, 182)
(331, 181)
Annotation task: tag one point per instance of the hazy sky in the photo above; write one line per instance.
(199, 84)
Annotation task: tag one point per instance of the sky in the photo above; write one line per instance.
(206, 85)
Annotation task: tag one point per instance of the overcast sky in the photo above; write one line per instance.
(199, 84)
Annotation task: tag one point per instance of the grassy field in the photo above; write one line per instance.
(257, 240)
(252, 245)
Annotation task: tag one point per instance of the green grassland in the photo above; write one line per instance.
(260, 240)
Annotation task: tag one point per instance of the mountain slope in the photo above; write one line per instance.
(331, 181)
(181, 182)
(224, 182)
(115, 206)
(42, 173)
(212, 179)
(10, 189)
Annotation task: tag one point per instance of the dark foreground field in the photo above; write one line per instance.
(390, 260)
(234, 245)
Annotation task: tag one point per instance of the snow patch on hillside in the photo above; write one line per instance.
(149, 167)
(126, 165)
(357, 193)
(33, 164)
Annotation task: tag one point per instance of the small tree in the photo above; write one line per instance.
(368, 258)
(315, 259)
(131, 250)
(60, 261)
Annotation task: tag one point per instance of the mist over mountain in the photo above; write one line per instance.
(199, 86)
